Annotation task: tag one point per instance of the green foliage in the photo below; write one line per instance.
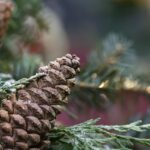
(25, 66)
(5, 80)
(105, 73)
(22, 10)
(24, 27)
(110, 69)
(5, 77)
(115, 54)
(145, 119)
(89, 136)
(9, 86)
(22, 68)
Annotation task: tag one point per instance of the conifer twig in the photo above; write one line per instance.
(89, 136)
(7, 88)
(126, 84)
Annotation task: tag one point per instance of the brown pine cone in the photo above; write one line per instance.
(26, 118)
(6, 7)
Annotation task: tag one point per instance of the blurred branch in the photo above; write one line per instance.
(85, 85)
(25, 66)
(127, 84)
(111, 60)
(110, 69)
(27, 22)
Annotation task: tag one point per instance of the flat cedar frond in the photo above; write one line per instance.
(89, 136)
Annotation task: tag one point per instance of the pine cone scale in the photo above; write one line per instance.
(27, 118)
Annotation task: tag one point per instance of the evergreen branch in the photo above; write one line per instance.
(89, 136)
(107, 74)
(111, 60)
(24, 81)
(25, 65)
(85, 85)
(125, 84)
(7, 87)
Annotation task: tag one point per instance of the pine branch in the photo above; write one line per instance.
(85, 85)
(25, 66)
(110, 61)
(125, 84)
(109, 71)
(8, 87)
(89, 136)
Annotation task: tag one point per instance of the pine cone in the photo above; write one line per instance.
(30, 114)
(5, 14)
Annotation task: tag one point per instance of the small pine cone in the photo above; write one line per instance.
(6, 7)
(26, 118)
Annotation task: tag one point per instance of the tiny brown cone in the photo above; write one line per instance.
(6, 7)
(30, 114)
